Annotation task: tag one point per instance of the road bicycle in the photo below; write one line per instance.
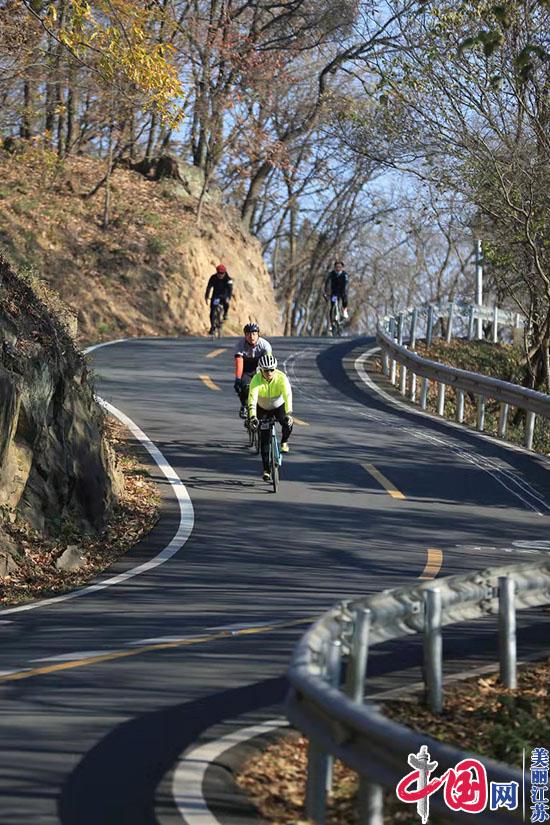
(217, 321)
(275, 455)
(335, 316)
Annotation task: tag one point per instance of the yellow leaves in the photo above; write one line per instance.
(119, 40)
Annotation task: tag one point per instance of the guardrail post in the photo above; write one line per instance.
(319, 762)
(424, 393)
(391, 327)
(503, 420)
(316, 785)
(413, 387)
(507, 630)
(357, 666)
(471, 319)
(403, 379)
(480, 413)
(393, 371)
(433, 670)
(460, 406)
(400, 328)
(441, 399)
(529, 430)
(386, 363)
(371, 803)
(414, 319)
(333, 673)
(430, 326)
(450, 321)
(495, 324)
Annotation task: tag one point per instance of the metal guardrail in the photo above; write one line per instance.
(456, 318)
(482, 387)
(338, 723)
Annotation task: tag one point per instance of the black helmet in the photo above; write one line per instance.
(250, 328)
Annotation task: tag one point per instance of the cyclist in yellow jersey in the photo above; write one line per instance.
(270, 393)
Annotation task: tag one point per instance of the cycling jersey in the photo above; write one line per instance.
(338, 282)
(269, 394)
(220, 287)
(250, 355)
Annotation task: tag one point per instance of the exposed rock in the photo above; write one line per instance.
(54, 464)
(71, 559)
(9, 554)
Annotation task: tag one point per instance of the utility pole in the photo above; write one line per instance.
(479, 286)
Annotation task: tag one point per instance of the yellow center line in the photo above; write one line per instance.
(433, 565)
(208, 381)
(215, 352)
(136, 651)
(385, 482)
(300, 422)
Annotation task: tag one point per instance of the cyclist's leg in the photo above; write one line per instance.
(212, 315)
(245, 379)
(280, 415)
(225, 303)
(264, 438)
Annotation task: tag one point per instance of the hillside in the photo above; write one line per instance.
(146, 273)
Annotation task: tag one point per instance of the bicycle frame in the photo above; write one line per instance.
(275, 455)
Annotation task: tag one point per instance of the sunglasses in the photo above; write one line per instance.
(267, 370)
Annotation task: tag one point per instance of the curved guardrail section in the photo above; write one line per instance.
(483, 387)
(338, 723)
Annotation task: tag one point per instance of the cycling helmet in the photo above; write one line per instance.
(221, 268)
(267, 362)
(250, 328)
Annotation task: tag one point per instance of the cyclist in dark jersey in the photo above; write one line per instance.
(221, 286)
(247, 355)
(336, 283)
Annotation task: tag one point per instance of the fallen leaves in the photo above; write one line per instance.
(479, 715)
(133, 518)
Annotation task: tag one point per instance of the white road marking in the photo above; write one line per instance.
(484, 463)
(185, 527)
(189, 774)
(72, 657)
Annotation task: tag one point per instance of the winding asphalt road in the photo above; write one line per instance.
(102, 693)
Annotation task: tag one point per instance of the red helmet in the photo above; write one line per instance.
(221, 268)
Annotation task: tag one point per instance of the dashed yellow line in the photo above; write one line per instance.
(300, 422)
(136, 651)
(215, 352)
(209, 383)
(385, 482)
(433, 565)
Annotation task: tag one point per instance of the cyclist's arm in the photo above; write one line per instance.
(239, 366)
(253, 398)
(209, 287)
(328, 284)
(287, 396)
(229, 289)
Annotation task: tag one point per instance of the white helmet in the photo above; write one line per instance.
(267, 362)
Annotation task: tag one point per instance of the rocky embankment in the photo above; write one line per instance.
(55, 466)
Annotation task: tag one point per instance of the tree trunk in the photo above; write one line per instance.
(107, 201)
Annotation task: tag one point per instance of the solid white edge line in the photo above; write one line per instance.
(365, 377)
(185, 527)
(189, 774)
(359, 365)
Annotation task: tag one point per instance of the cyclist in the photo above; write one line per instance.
(221, 286)
(336, 283)
(270, 394)
(248, 353)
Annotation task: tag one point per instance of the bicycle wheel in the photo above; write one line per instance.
(274, 456)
